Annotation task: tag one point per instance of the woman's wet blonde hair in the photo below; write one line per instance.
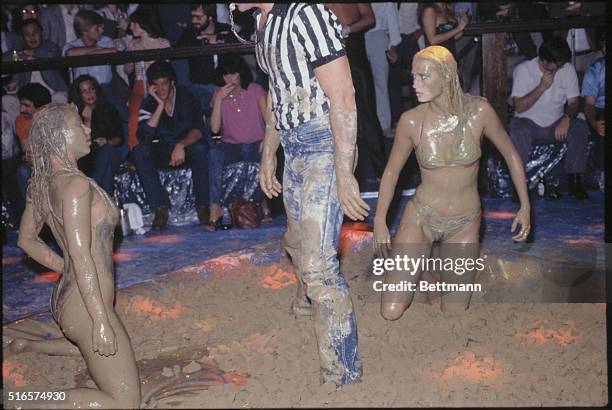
(48, 135)
(458, 102)
(446, 65)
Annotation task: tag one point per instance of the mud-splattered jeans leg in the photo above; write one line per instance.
(314, 216)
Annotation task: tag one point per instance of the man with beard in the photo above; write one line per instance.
(204, 29)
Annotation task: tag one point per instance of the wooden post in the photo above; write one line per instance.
(494, 73)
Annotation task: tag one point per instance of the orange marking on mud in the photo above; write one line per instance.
(354, 233)
(13, 371)
(140, 304)
(122, 256)
(468, 367)
(499, 215)
(278, 279)
(579, 241)
(239, 379)
(9, 260)
(46, 277)
(164, 239)
(541, 335)
(227, 261)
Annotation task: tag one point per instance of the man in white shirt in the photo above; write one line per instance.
(381, 42)
(545, 94)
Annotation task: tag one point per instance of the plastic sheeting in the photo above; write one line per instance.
(240, 178)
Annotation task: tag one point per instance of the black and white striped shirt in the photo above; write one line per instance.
(296, 39)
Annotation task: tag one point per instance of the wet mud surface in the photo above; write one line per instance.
(221, 334)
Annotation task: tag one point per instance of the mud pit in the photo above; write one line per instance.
(221, 335)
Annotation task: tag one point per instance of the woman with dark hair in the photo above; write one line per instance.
(238, 109)
(439, 24)
(147, 36)
(106, 131)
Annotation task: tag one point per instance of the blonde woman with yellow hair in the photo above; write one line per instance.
(445, 131)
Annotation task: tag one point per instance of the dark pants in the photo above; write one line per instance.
(524, 133)
(149, 158)
(370, 138)
(402, 68)
(221, 155)
(107, 160)
(12, 185)
(23, 177)
(102, 165)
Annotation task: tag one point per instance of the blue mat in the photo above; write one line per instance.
(27, 287)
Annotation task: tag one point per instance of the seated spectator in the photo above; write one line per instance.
(32, 97)
(35, 47)
(204, 30)
(116, 21)
(19, 15)
(147, 36)
(594, 93)
(103, 162)
(57, 21)
(89, 26)
(545, 96)
(238, 107)
(170, 132)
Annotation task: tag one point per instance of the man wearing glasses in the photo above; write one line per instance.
(545, 94)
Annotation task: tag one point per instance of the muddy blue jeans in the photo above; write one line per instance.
(314, 220)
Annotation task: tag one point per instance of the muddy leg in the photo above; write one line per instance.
(333, 315)
(53, 347)
(116, 375)
(412, 242)
(463, 245)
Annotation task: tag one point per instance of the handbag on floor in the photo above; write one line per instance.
(244, 213)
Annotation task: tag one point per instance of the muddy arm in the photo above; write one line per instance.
(494, 130)
(77, 202)
(267, 174)
(30, 242)
(336, 82)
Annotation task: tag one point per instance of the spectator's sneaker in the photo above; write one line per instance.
(203, 214)
(161, 217)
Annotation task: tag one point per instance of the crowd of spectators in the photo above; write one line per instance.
(165, 114)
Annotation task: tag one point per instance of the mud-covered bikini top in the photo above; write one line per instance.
(466, 152)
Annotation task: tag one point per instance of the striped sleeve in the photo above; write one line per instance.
(320, 34)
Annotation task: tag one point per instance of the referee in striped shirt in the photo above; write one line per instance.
(312, 114)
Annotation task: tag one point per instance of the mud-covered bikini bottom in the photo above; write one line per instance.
(443, 227)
